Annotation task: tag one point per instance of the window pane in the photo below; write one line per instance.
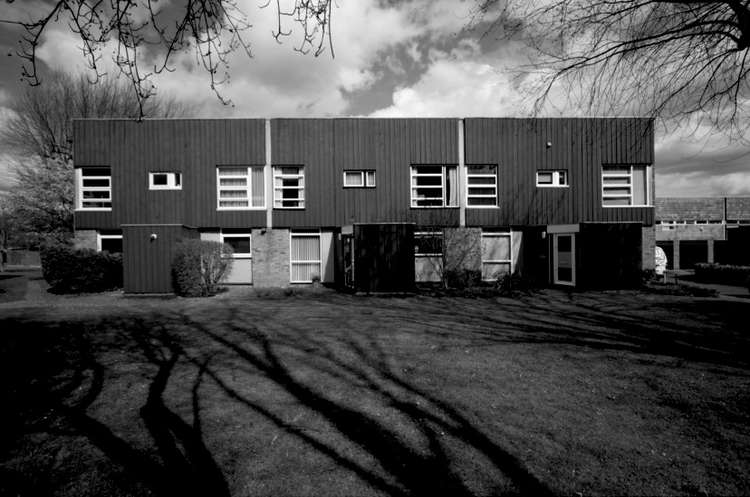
(639, 185)
(562, 177)
(370, 178)
(177, 179)
(428, 169)
(564, 243)
(616, 169)
(96, 194)
(305, 271)
(616, 181)
(482, 201)
(616, 201)
(544, 178)
(427, 181)
(239, 244)
(451, 186)
(616, 191)
(258, 183)
(160, 179)
(481, 180)
(95, 171)
(495, 248)
(233, 182)
(484, 169)
(428, 243)
(353, 178)
(305, 248)
(481, 191)
(104, 183)
(232, 171)
(112, 245)
(289, 170)
(233, 203)
(233, 194)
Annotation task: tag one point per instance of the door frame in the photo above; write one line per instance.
(555, 261)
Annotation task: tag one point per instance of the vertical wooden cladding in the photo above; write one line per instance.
(189, 146)
(147, 261)
(327, 147)
(521, 147)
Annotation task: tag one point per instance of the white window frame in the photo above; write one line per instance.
(239, 255)
(470, 176)
(278, 200)
(100, 237)
(174, 181)
(80, 189)
(558, 175)
(433, 234)
(319, 262)
(366, 178)
(248, 188)
(629, 186)
(497, 234)
(443, 174)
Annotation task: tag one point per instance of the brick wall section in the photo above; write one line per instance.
(463, 249)
(691, 232)
(84, 239)
(738, 208)
(648, 242)
(270, 257)
(680, 209)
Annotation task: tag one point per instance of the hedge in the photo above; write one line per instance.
(721, 273)
(69, 270)
(198, 266)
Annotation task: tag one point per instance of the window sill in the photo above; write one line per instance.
(240, 208)
(434, 207)
(483, 207)
(553, 186)
(94, 209)
(624, 206)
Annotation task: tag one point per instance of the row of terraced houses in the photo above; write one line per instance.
(372, 204)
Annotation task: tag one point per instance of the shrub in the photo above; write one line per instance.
(198, 266)
(509, 284)
(69, 270)
(721, 273)
(462, 278)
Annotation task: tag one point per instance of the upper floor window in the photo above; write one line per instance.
(165, 181)
(94, 188)
(240, 188)
(552, 178)
(434, 186)
(481, 186)
(359, 179)
(289, 187)
(625, 185)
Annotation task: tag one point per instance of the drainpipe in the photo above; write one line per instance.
(462, 186)
(268, 173)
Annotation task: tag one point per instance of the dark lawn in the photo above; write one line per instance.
(592, 393)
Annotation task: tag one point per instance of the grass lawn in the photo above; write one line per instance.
(328, 394)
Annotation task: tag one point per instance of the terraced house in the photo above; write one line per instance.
(372, 204)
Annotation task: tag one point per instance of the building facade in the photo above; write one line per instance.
(565, 201)
(703, 229)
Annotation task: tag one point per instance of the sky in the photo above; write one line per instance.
(408, 58)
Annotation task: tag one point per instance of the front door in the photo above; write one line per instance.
(564, 260)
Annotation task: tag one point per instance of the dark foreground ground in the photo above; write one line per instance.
(329, 394)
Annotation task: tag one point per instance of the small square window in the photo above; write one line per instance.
(359, 178)
(555, 178)
(370, 179)
(164, 181)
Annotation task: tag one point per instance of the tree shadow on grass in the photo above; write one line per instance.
(370, 417)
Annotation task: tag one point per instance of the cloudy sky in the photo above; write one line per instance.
(415, 58)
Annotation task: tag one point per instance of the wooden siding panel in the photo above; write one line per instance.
(519, 147)
(147, 262)
(193, 147)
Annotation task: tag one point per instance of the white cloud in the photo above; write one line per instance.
(702, 184)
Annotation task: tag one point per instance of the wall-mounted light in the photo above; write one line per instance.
(153, 236)
(549, 144)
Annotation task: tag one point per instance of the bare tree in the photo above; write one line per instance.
(144, 31)
(38, 135)
(683, 60)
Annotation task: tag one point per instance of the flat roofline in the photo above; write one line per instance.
(334, 118)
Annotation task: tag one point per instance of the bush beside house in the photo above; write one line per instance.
(722, 273)
(69, 270)
(198, 266)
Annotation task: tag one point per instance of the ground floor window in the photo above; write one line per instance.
(496, 255)
(428, 255)
(304, 256)
(109, 241)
